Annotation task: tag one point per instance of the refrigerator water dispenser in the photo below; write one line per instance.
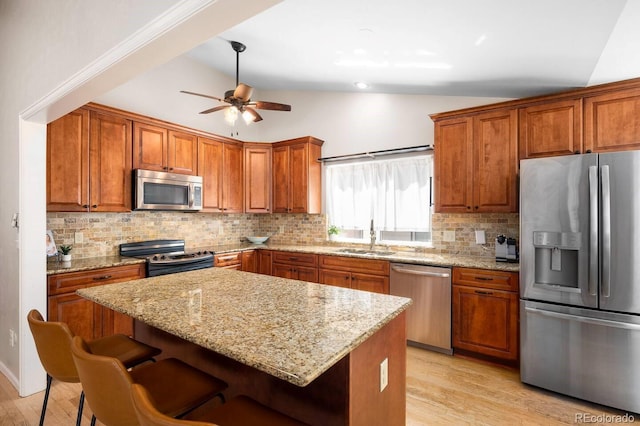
(556, 258)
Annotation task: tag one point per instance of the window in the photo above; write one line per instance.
(395, 193)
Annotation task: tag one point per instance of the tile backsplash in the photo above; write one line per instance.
(100, 234)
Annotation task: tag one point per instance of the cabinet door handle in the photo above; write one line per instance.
(487, 293)
(102, 278)
(85, 206)
(483, 278)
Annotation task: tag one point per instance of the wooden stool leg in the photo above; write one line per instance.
(46, 398)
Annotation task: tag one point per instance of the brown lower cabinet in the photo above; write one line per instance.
(228, 260)
(297, 266)
(485, 313)
(264, 262)
(86, 318)
(250, 261)
(359, 274)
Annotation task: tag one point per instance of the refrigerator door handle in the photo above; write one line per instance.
(606, 232)
(582, 319)
(593, 230)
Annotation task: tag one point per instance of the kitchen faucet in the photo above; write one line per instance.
(372, 234)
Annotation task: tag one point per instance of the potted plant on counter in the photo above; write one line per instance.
(65, 250)
(333, 231)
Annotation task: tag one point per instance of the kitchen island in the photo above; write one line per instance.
(309, 350)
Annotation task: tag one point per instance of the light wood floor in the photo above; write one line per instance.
(441, 390)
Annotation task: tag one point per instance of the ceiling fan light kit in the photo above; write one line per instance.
(239, 99)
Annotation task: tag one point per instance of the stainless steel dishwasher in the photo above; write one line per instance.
(429, 316)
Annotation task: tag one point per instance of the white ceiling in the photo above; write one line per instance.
(499, 48)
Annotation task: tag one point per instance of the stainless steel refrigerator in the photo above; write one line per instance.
(580, 276)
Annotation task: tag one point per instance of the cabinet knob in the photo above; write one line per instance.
(94, 206)
(468, 207)
(588, 151)
(85, 206)
(577, 152)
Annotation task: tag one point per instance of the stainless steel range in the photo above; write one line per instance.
(167, 256)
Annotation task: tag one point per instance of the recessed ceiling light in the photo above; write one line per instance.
(361, 85)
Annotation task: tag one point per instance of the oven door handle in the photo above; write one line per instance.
(181, 261)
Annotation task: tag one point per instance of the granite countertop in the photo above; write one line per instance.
(87, 264)
(418, 258)
(290, 329)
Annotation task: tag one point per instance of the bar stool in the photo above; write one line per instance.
(176, 387)
(239, 411)
(53, 343)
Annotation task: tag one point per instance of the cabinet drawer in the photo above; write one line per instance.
(353, 264)
(72, 281)
(303, 259)
(485, 278)
(227, 259)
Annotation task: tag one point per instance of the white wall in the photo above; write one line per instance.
(55, 57)
(37, 54)
(620, 59)
(348, 122)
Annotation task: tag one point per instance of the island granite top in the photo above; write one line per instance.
(291, 329)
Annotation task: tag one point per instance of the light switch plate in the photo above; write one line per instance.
(480, 237)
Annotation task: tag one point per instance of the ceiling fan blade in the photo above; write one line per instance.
(271, 105)
(214, 109)
(256, 116)
(243, 92)
(200, 94)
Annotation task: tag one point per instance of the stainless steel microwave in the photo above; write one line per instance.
(166, 191)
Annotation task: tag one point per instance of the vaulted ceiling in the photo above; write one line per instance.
(499, 48)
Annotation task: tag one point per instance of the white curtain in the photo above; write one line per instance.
(394, 193)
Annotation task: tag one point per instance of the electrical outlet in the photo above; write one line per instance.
(384, 374)
(78, 237)
(449, 236)
(12, 338)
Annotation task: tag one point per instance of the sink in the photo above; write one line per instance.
(362, 251)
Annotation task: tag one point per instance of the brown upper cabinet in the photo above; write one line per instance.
(257, 178)
(612, 121)
(220, 165)
(552, 128)
(161, 149)
(89, 162)
(600, 118)
(476, 163)
(297, 179)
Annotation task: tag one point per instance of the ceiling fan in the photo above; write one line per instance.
(239, 100)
